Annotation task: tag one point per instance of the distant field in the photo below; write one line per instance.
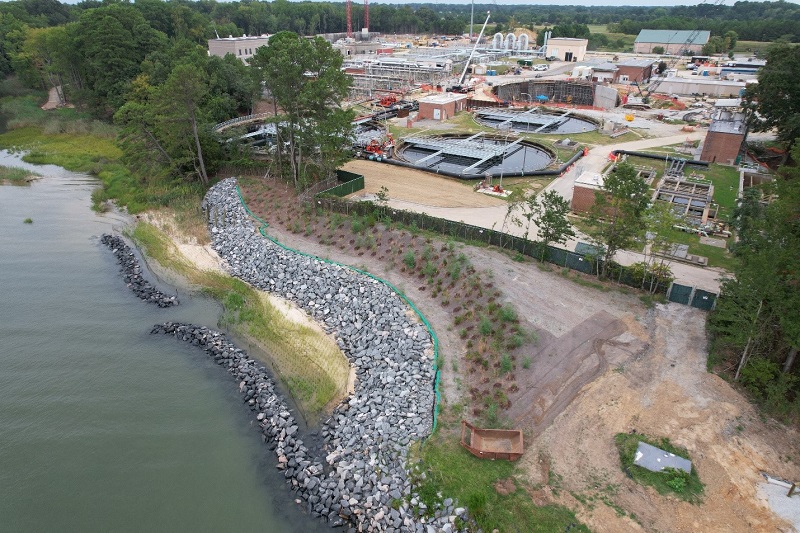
(597, 28)
(751, 46)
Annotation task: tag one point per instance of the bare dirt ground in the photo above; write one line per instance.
(604, 364)
(664, 390)
(416, 186)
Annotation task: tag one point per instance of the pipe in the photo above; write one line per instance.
(693, 162)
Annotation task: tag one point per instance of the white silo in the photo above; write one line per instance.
(511, 41)
(497, 41)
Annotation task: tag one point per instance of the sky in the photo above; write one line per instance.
(654, 3)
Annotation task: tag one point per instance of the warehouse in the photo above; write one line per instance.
(674, 42)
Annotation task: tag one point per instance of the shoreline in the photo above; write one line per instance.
(357, 473)
(367, 439)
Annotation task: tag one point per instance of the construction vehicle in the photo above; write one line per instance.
(459, 87)
(387, 101)
(378, 149)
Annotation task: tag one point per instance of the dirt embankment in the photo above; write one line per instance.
(665, 391)
(604, 364)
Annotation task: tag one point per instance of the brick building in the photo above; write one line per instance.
(725, 134)
(583, 192)
(635, 70)
(441, 106)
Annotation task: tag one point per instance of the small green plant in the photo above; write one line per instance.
(28, 221)
(526, 363)
(382, 195)
(508, 313)
(410, 259)
(506, 364)
(430, 270)
(515, 341)
(485, 327)
(678, 480)
(357, 225)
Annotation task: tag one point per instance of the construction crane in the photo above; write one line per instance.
(651, 88)
(459, 87)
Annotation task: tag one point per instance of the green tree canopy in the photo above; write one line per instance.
(307, 85)
(775, 100)
(617, 217)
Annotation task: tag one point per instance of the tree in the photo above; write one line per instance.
(658, 50)
(307, 85)
(550, 217)
(774, 102)
(758, 312)
(660, 220)
(177, 104)
(617, 217)
(730, 38)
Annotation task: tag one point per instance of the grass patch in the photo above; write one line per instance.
(308, 361)
(455, 473)
(717, 257)
(70, 139)
(685, 486)
(15, 176)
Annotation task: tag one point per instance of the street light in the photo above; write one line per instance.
(507, 128)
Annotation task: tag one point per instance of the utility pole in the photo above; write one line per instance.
(471, 19)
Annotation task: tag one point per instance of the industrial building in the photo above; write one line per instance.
(441, 106)
(701, 85)
(726, 133)
(674, 42)
(635, 70)
(567, 48)
(243, 47)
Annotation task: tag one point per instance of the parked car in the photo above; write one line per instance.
(541, 66)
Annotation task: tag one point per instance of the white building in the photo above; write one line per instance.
(243, 47)
(567, 48)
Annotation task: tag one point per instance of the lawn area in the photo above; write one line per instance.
(717, 257)
(685, 486)
(453, 472)
(744, 47)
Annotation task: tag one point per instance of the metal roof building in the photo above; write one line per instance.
(672, 41)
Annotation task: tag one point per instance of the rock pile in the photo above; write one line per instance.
(366, 440)
(132, 273)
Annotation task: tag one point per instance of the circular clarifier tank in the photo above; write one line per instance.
(476, 155)
(536, 120)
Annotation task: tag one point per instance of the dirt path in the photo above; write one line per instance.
(424, 192)
(416, 186)
(53, 100)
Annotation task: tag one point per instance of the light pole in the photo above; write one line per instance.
(503, 158)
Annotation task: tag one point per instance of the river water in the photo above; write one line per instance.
(104, 427)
